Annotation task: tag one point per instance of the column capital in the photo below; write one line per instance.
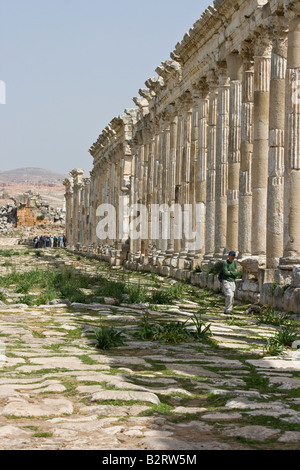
(77, 175)
(200, 89)
(234, 65)
(247, 54)
(185, 101)
(212, 80)
(223, 75)
(291, 9)
(68, 183)
(263, 42)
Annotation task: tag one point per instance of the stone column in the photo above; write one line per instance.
(85, 211)
(172, 179)
(150, 188)
(192, 216)
(201, 168)
(211, 167)
(155, 198)
(77, 175)
(234, 65)
(222, 162)
(291, 254)
(68, 183)
(262, 67)
(276, 150)
(91, 227)
(160, 185)
(186, 162)
(165, 180)
(178, 178)
(245, 191)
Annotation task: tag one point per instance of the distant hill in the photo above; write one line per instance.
(31, 175)
(44, 182)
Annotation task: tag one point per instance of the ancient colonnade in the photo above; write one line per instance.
(210, 152)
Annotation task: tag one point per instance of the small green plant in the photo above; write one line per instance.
(8, 253)
(26, 299)
(108, 337)
(146, 329)
(136, 294)
(274, 287)
(174, 332)
(269, 316)
(287, 335)
(284, 338)
(203, 331)
(272, 347)
(166, 296)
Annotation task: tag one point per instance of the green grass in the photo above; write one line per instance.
(42, 434)
(108, 337)
(269, 316)
(9, 253)
(283, 338)
(173, 332)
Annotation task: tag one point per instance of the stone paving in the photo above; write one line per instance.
(59, 391)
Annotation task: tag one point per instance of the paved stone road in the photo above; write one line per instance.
(58, 391)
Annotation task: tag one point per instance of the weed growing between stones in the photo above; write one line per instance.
(269, 316)
(108, 337)
(173, 332)
(9, 253)
(283, 338)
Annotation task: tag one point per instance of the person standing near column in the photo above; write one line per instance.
(230, 273)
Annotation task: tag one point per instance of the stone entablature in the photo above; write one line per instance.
(216, 130)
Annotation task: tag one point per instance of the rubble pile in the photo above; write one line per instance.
(8, 218)
(27, 211)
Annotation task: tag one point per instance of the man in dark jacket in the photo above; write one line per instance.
(230, 274)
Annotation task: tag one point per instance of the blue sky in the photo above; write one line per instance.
(70, 66)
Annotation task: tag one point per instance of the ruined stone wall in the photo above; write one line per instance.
(217, 132)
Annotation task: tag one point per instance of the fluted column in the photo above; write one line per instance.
(91, 226)
(201, 169)
(245, 189)
(186, 167)
(291, 254)
(234, 65)
(77, 176)
(68, 183)
(222, 162)
(85, 211)
(150, 190)
(276, 150)
(178, 178)
(262, 67)
(165, 177)
(211, 167)
(155, 216)
(172, 179)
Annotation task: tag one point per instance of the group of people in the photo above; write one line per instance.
(50, 241)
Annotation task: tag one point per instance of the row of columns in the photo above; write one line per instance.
(229, 147)
(224, 147)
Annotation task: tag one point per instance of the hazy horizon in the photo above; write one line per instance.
(70, 67)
